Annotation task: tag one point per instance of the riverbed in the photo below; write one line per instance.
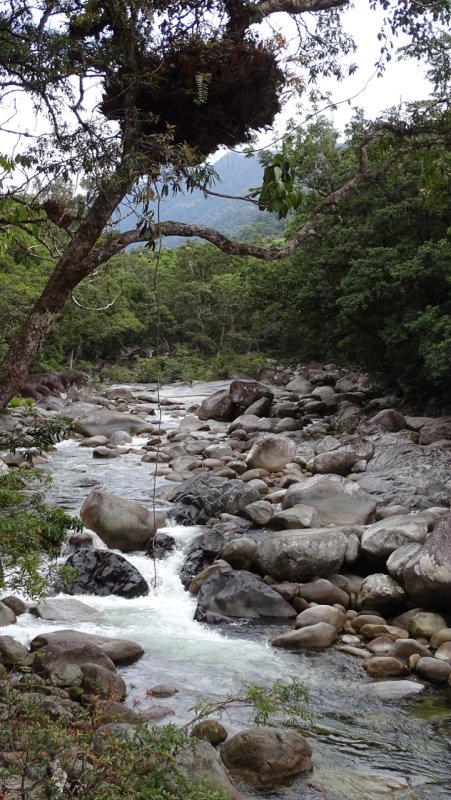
(364, 747)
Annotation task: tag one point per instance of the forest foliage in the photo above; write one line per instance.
(370, 290)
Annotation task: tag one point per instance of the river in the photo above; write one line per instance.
(364, 748)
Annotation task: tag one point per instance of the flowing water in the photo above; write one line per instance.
(364, 748)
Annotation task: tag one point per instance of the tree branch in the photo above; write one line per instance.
(267, 7)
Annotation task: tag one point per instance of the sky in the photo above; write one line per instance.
(402, 81)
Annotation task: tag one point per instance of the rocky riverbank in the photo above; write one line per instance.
(325, 511)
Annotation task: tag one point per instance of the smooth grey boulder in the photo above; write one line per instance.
(317, 637)
(260, 512)
(12, 653)
(118, 438)
(52, 659)
(7, 615)
(122, 524)
(63, 610)
(271, 452)
(397, 561)
(382, 538)
(381, 593)
(298, 554)
(204, 496)
(102, 682)
(245, 393)
(202, 551)
(404, 473)
(219, 406)
(239, 553)
(321, 613)
(104, 423)
(101, 572)
(435, 430)
(433, 669)
(336, 501)
(296, 517)
(267, 757)
(229, 595)
(120, 651)
(251, 423)
(390, 419)
(392, 690)
(324, 591)
(336, 462)
(299, 385)
(200, 761)
(427, 575)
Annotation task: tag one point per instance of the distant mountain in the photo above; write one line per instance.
(237, 175)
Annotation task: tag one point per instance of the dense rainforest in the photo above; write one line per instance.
(370, 290)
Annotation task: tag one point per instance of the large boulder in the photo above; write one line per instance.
(271, 452)
(299, 385)
(104, 423)
(63, 610)
(245, 393)
(267, 757)
(382, 538)
(122, 524)
(404, 473)
(312, 637)
(337, 501)
(204, 496)
(102, 573)
(200, 762)
(337, 462)
(202, 551)
(218, 406)
(380, 592)
(298, 554)
(120, 651)
(229, 595)
(427, 575)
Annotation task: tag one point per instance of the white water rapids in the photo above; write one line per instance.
(364, 748)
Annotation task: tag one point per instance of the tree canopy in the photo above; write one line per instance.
(135, 95)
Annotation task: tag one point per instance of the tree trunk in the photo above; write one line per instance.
(74, 265)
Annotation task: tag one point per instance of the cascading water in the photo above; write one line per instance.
(364, 747)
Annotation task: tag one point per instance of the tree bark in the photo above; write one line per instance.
(74, 265)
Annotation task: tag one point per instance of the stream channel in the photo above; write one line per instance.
(364, 748)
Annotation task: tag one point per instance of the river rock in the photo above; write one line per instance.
(105, 423)
(119, 438)
(435, 430)
(250, 423)
(382, 593)
(244, 393)
(299, 385)
(444, 652)
(204, 496)
(397, 561)
(404, 648)
(337, 462)
(219, 406)
(321, 613)
(386, 667)
(63, 610)
(200, 761)
(260, 408)
(122, 524)
(271, 452)
(317, 637)
(12, 653)
(7, 615)
(433, 670)
(390, 419)
(427, 576)
(267, 757)
(105, 452)
(202, 551)
(102, 682)
(298, 554)
(102, 573)
(210, 730)
(239, 553)
(260, 512)
(323, 591)
(299, 516)
(382, 538)
(425, 624)
(402, 472)
(336, 501)
(443, 635)
(199, 579)
(394, 690)
(52, 659)
(120, 651)
(229, 595)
